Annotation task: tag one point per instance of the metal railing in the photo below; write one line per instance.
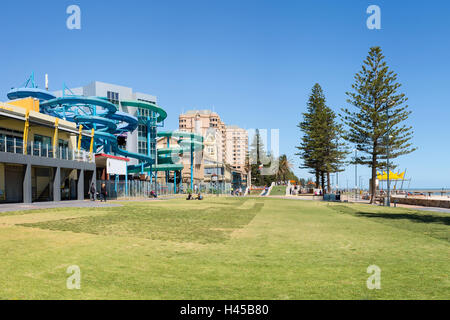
(15, 145)
(117, 189)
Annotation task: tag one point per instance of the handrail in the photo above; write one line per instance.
(16, 145)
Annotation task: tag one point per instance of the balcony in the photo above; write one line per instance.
(15, 145)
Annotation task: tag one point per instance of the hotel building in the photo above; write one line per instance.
(226, 147)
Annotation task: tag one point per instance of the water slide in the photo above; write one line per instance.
(29, 89)
(169, 159)
(101, 115)
(92, 113)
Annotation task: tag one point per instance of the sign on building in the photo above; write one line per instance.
(114, 166)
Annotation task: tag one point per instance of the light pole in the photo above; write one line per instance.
(337, 180)
(356, 175)
(217, 168)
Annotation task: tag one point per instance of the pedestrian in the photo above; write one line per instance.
(92, 192)
(103, 192)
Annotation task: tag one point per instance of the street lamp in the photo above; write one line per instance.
(217, 170)
(356, 175)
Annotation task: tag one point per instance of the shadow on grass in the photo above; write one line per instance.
(411, 215)
(434, 225)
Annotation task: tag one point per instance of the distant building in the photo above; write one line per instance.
(237, 147)
(208, 124)
(226, 147)
(185, 175)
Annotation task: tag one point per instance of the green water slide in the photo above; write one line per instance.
(169, 158)
(162, 114)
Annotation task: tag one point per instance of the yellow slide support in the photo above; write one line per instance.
(91, 149)
(55, 138)
(25, 132)
(79, 137)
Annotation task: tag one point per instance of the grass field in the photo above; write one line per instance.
(225, 248)
(278, 191)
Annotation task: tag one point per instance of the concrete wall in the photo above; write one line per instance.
(422, 202)
(29, 161)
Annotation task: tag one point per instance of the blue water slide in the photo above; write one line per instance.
(21, 93)
(93, 113)
(106, 122)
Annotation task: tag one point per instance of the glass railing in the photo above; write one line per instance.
(15, 145)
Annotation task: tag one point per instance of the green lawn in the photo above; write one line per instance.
(278, 191)
(225, 248)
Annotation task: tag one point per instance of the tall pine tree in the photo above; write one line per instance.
(377, 119)
(321, 149)
(309, 144)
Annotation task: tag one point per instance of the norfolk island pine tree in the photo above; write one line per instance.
(321, 148)
(375, 93)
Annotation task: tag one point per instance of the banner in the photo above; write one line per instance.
(114, 166)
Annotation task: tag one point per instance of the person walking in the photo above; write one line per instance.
(92, 192)
(103, 192)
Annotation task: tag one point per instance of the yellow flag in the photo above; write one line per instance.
(392, 175)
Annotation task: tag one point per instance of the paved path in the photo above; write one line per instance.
(445, 210)
(52, 205)
(296, 197)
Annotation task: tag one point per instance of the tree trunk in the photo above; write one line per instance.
(317, 179)
(323, 182)
(374, 177)
(328, 183)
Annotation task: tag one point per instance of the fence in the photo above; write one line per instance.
(141, 189)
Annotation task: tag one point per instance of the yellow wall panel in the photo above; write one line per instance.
(28, 104)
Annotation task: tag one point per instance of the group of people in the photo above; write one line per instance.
(94, 194)
(294, 190)
(236, 192)
(190, 197)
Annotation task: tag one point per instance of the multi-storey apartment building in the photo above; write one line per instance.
(226, 147)
(236, 147)
(210, 125)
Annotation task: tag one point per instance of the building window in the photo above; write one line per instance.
(113, 97)
(42, 145)
(142, 131)
(142, 147)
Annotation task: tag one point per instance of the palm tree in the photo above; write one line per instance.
(284, 168)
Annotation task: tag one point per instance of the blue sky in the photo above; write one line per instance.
(254, 62)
